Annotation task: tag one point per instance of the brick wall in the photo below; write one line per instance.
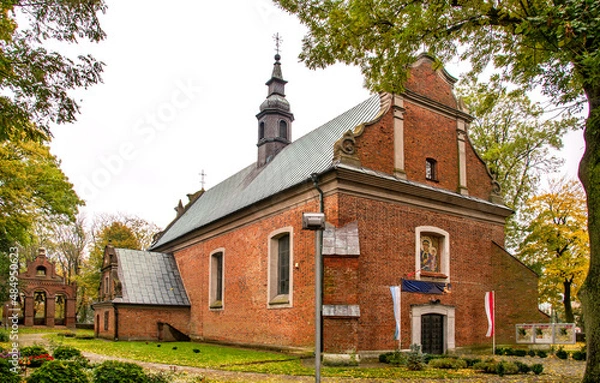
(246, 316)
(141, 322)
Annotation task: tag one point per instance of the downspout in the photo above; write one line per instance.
(318, 286)
(116, 322)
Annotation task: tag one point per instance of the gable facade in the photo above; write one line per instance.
(405, 197)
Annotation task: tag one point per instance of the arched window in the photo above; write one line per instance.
(60, 309)
(432, 255)
(216, 279)
(261, 130)
(280, 268)
(283, 129)
(39, 308)
(40, 271)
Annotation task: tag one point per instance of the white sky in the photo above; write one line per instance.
(182, 86)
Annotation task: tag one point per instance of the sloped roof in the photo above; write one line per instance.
(312, 153)
(150, 278)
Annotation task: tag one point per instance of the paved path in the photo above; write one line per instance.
(555, 371)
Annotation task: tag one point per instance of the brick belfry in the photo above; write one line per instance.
(275, 117)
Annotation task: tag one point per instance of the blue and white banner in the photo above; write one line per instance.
(395, 290)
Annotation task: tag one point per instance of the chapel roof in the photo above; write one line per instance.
(312, 153)
(149, 278)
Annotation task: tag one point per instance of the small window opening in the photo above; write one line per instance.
(283, 131)
(431, 169)
(261, 130)
(41, 271)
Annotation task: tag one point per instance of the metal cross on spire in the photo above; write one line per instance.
(202, 181)
(278, 41)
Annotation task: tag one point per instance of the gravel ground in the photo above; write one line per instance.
(555, 371)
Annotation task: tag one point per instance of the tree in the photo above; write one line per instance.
(34, 81)
(33, 191)
(556, 245)
(514, 136)
(121, 231)
(533, 43)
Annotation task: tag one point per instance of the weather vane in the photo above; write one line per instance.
(278, 41)
(202, 181)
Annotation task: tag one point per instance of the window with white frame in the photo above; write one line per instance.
(280, 268)
(216, 279)
(432, 253)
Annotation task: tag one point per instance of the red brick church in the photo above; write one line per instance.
(407, 201)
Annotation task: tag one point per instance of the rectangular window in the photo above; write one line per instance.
(431, 169)
(106, 321)
(283, 262)
(216, 280)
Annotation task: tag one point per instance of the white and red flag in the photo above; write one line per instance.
(490, 307)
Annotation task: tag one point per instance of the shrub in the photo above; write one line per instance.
(113, 371)
(196, 350)
(6, 375)
(414, 358)
(523, 368)
(520, 352)
(58, 371)
(537, 368)
(85, 337)
(541, 353)
(159, 377)
(448, 363)
(531, 353)
(487, 366)
(509, 368)
(33, 351)
(67, 334)
(472, 361)
(66, 352)
(395, 358)
(562, 354)
(579, 355)
(4, 336)
(37, 360)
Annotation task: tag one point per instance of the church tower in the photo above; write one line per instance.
(274, 119)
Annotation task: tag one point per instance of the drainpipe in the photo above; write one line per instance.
(116, 322)
(318, 285)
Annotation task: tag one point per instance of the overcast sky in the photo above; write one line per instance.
(182, 85)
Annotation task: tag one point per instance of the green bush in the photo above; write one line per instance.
(395, 358)
(33, 351)
(542, 353)
(537, 368)
(112, 371)
(448, 363)
(520, 352)
(487, 366)
(67, 334)
(4, 336)
(85, 337)
(579, 355)
(472, 361)
(66, 352)
(6, 375)
(562, 354)
(523, 368)
(58, 371)
(159, 377)
(531, 353)
(414, 358)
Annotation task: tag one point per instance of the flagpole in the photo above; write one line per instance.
(494, 323)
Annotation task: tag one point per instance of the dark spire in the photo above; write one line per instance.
(275, 117)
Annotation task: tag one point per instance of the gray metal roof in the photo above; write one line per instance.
(150, 278)
(312, 153)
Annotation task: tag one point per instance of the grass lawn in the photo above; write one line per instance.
(235, 359)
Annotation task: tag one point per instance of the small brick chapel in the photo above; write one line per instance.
(408, 202)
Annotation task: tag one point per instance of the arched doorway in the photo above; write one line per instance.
(432, 327)
(60, 310)
(39, 308)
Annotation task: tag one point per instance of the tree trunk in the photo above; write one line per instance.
(589, 294)
(569, 317)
